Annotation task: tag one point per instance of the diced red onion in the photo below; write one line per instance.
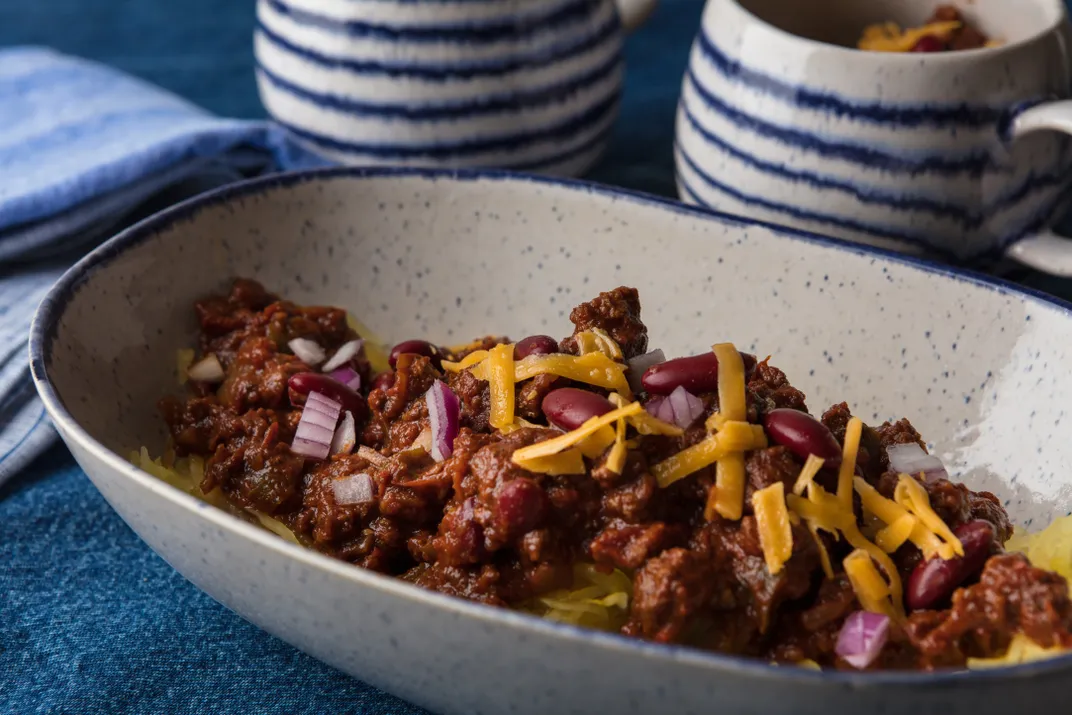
(347, 376)
(680, 407)
(307, 351)
(207, 369)
(911, 459)
(343, 355)
(639, 365)
(862, 637)
(316, 428)
(345, 435)
(444, 411)
(370, 455)
(355, 489)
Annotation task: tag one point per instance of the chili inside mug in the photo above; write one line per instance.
(963, 155)
(521, 84)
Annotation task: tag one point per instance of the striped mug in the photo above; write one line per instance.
(941, 154)
(518, 84)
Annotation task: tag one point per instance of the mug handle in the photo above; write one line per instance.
(635, 13)
(1045, 250)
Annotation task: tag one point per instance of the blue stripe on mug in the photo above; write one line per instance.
(974, 164)
(450, 72)
(572, 12)
(588, 146)
(793, 211)
(459, 109)
(562, 130)
(904, 114)
(869, 195)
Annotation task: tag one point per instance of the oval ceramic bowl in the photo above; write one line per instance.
(977, 366)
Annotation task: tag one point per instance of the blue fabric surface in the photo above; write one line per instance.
(91, 621)
(82, 149)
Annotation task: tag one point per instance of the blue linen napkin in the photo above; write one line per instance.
(84, 150)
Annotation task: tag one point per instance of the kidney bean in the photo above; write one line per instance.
(535, 345)
(303, 383)
(802, 435)
(416, 347)
(520, 506)
(934, 580)
(698, 373)
(569, 407)
(383, 381)
(929, 43)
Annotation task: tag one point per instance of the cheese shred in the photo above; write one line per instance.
(772, 522)
(500, 370)
(848, 460)
(570, 439)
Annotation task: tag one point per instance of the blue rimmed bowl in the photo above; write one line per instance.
(946, 154)
(455, 255)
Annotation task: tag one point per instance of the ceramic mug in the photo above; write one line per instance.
(522, 84)
(942, 154)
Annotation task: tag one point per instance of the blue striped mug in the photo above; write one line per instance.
(521, 84)
(957, 155)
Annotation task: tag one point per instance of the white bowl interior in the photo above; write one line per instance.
(840, 22)
(977, 369)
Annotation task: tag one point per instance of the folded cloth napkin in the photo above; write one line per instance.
(85, 150)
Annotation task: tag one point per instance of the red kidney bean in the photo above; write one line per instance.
(417, 347)
(568, 407)
(698, 373)
(802, 435)
(934, 580)
(520, 505)
(929, 43)
(535, 345)
(303, 383)
(383, 381)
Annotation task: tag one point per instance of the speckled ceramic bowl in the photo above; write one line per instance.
(978, 366)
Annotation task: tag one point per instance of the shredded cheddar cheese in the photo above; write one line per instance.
(772, 522)
(824, 555)
(597, 443)
(570, 439)
(889, 37)
(807, 475)
(911, 495)
(519, 423)
(477, 356)
(501, 381)
(644, 423)
(890, 512)
(616, 458)
(731, 401)
(857, 541)
(892, 537)
(597, 340)
(569, 461)
(871, 589)
(727, 497)
(693, 459)
(848, 460)
(593, 369)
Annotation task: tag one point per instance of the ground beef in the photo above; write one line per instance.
(618, 313)
(479, 526)
(769, 389)
(1011, 596)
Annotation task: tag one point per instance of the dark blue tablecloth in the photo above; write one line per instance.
(90, 619)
